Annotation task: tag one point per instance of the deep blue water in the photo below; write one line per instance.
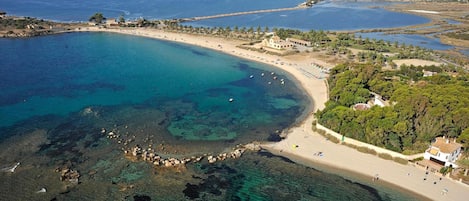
(327, 15)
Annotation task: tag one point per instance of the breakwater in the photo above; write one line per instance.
(300, 6)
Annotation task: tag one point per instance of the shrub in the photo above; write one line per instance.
(416, 159)
(445, 170)
(366, 150)
(350, 145)
(314, 128)
(322, 132)
(401, 160)
(332, 138)
(385, 156)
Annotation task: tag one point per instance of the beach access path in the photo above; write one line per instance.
(301, 141)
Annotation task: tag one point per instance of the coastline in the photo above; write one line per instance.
(301, 142)
(299, 68)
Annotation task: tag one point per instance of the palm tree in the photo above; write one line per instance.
(266, 30)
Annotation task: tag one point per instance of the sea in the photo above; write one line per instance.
(63, 94)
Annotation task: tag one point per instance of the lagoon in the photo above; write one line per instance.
(327, 15)
(428, 41)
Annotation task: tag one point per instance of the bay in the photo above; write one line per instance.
(62, 90)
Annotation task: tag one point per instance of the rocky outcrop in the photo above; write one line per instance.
(151, 155)
(68, 175)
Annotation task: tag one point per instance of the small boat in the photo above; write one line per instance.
(252, 76)
(10, 169)
(231, 100)
(43, 190)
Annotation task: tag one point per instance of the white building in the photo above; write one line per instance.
(428, 73)
(299, 42)
(277, 43)
(111, 22)
(379, 102)
(443, 151)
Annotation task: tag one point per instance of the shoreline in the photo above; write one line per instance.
(301, 142)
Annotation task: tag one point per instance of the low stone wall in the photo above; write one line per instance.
(357, 143)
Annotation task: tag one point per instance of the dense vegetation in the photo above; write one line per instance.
(464, 35)
(421, 108)
(22, 23)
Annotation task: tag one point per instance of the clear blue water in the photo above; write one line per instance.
(328, 15)
(428, 42)
(59, 91)
(74, 71)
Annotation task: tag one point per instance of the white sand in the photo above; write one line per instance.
(405, 176)
(424, 11)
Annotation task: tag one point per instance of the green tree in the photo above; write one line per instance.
(121, 19)
(97, 17)
(464, 163)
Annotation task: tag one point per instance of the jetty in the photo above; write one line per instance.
(303, 5)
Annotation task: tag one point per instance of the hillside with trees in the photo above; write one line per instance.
(421, 108)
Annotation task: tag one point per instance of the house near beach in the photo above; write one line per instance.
(378, 100)
(444, 151)
(428, 73)
(3, 14)
(111, 22)
(299, 42)
(277, 43)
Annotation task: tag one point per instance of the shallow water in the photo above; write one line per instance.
(65, 89)
(429, 42)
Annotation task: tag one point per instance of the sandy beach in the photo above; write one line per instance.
(301, 141)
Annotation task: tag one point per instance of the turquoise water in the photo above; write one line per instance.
(60, 91)
(75, 71)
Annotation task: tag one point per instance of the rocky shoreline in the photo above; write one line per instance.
(25, 27)
(151, 155)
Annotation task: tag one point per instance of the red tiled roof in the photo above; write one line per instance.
(446, 145)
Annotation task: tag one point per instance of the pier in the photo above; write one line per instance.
(300, 6)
